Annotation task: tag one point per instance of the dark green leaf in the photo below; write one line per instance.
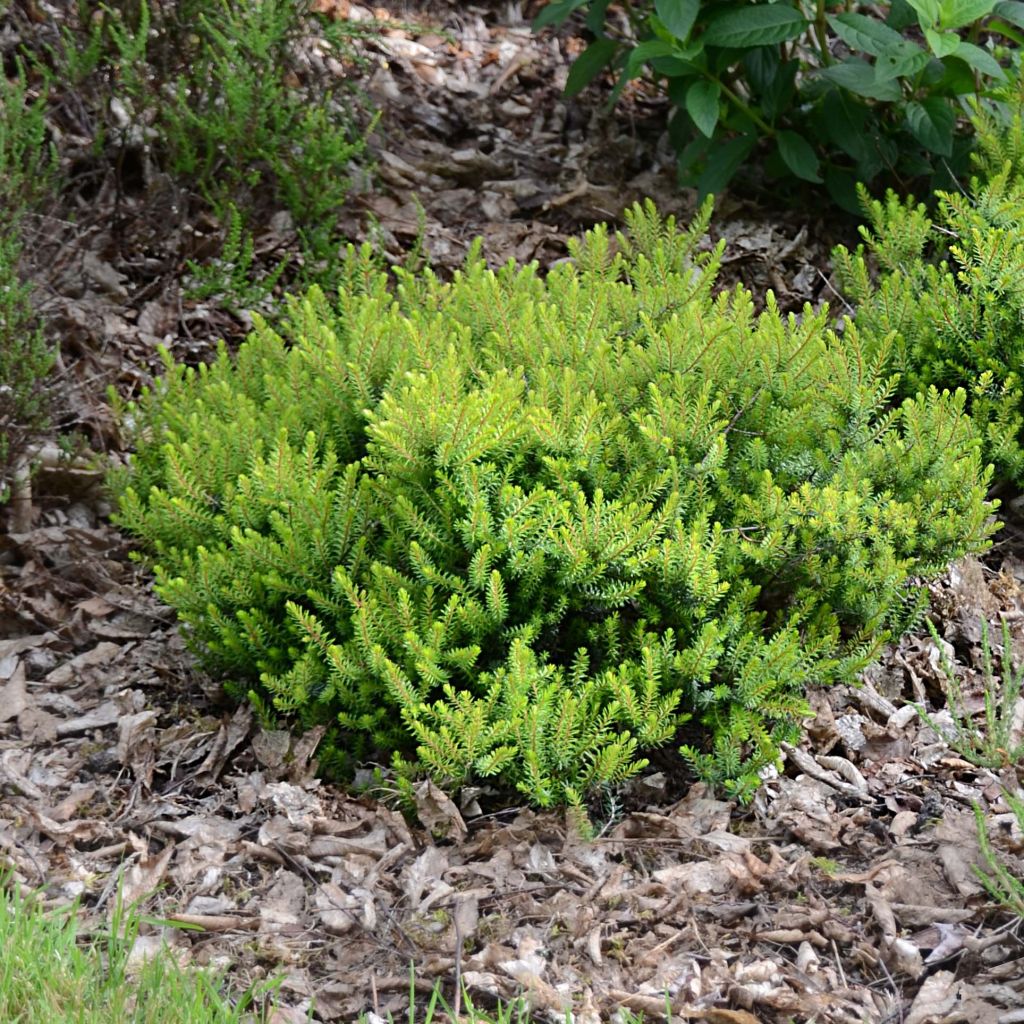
(673, 67)
(901, 15)
(589, 64)
(957, 79)
(842, 120)
(842, 187)
(644, 53)
(555, 13)
(596, 16)
(931, 122)
(757, 25)
(860, 32)
(702, 105)
(761, 65)
(778, 97)
(798, 155)
(901, 61)
(1011, 11)
(980, 59)
(859, 77)
(958, 13)
(724, 162)
(677, 16)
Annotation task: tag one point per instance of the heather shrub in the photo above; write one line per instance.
(25, 358)
(945, 289)
(249, 108)
(529, 528)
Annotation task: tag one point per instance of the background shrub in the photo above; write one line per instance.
(819, 91)
(249, 106)
(949, 287)
(522, 528)
(25, 359)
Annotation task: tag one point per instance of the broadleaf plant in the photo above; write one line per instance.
(522, 529)
(821, 91)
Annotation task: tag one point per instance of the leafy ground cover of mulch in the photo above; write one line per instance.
(844, 893)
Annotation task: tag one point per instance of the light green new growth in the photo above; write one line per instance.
(949, 297)
(525, 528)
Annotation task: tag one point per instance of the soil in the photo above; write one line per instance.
(846, 892)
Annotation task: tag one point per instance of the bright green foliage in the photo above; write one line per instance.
(523, 527)
(999, 130)
(951, 292)
(815, 91)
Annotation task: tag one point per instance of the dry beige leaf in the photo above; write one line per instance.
(146, 873)
(438, 812)
(936, 1000)
(13, 699)
(99, 656)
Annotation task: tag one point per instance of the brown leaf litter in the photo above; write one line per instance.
(845, 893)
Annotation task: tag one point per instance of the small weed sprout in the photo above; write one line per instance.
(999, 743)
(999, 882)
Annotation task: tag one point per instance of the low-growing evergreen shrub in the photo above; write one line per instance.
(948, 287)
(523, 528)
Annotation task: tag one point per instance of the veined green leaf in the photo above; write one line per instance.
(589, 64)
(677, 16)
(645, 52)
(942, 43)
(860, 32)
(928, 12)
(901, 61)
(798, 155)
(858, 76)
(980, 59)
(1011, 11)
(931, 122)
(958, 13)
(759, 25)
(702, 105)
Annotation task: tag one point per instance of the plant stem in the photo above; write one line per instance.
(742, 106)
(821, 30)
